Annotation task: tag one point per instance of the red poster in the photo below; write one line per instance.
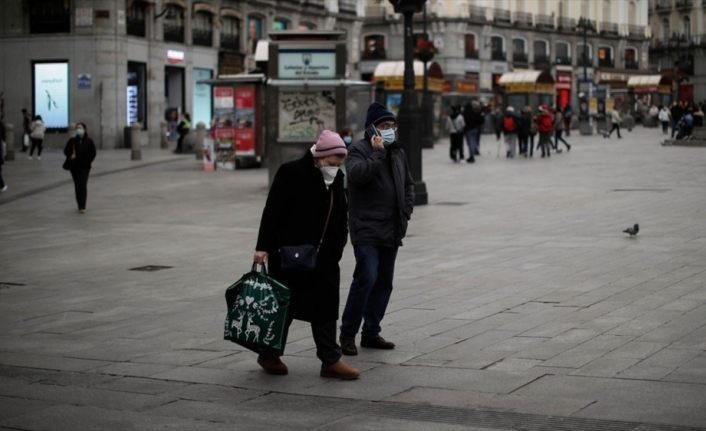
(244, 142)
(222, 97)
(245, 97)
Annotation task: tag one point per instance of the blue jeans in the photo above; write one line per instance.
(370, 291)
(472, 138)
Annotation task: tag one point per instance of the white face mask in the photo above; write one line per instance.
(388, 135)
(329, 173)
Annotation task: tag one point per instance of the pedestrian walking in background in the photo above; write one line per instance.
(474, 118)
(524, 125)
(558, 130)
(545, 126)
(36, 135)
(455, 125)
(497, 123)
(3, 149)
(26, 129)
(664, 117)
(510, 125)
(381, 199)
(81, 151)
(615, 120)
(307, 205)
(183, 129)
(677, 112)
(568, 114)
(534, 129)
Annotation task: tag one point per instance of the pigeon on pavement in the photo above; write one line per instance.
(632, 231)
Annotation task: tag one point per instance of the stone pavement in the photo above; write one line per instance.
(519, 304)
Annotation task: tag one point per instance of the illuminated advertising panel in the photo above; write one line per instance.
(51, 93)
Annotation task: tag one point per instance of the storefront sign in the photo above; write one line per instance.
(174, 56)
(299, 64)
(563, 80)
(51, 94)
(303, 114)
(84, 81)
(467, 86)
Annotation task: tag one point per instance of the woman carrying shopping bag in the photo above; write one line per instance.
(306, 217)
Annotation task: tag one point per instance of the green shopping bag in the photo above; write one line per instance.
(258, 307)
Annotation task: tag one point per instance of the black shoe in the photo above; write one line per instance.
(471, 160)
(348, 346)
(568, 148)
(376, 342)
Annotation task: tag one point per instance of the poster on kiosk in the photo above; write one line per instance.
(234, 111)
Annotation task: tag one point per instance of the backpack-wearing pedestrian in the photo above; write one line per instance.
(545, 126)
(381, 200)
(510, 126)
(36, 135)
(80, 152)
(307, 205)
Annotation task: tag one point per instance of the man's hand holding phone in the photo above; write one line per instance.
(377, 142)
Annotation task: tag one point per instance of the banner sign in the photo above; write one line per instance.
(306, 63)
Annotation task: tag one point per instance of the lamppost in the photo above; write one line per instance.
(408, 118)
(585, 88)
(425, 49)
(678, 39)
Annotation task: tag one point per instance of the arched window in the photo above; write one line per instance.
(519, 50)
(584, 54)
(631, 58)
(605, 56)
(230, 29)
(374, 47)
(666, 32)
(135, 22)
(541, 53)
(255, 31)
(174, 24)
(470, 47)
(497, 48)
(563, 53)
(202, 29)
(686, 27)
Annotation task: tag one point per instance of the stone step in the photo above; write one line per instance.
(694, 142)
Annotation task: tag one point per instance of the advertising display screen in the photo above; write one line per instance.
(202, 97)
(51, 93)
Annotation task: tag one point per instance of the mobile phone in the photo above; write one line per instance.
(373, 131)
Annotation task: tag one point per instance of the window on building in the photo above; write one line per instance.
(631, 58)
(666, 32)
(174, 25)
(280, 24)
(49, 16)
(584, 54)
(541, 53)
(255, 32)
(230, 32)
(563, 53)
(605, 56)
(135, 21)
(470, 48)
(519, 50)
(202, 29)
(686, 27)
(374, 47)
(497, 48)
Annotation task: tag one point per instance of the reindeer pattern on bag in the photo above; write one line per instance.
(249, 311)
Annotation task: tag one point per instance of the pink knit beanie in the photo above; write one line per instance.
(329, 144)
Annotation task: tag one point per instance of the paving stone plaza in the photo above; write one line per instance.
(518, 302)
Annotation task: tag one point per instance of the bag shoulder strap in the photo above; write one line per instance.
(328, 217)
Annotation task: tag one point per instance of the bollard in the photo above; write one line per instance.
(163, 142)
(200, 136)
(10, 141)
(135, 145)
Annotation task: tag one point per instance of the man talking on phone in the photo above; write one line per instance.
(381, 199)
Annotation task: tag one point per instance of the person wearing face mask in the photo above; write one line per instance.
(307, 205)
(81, 151)
(381, 200)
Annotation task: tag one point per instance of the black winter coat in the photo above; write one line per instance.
(295, 214)
(85, 152)
(381, 193)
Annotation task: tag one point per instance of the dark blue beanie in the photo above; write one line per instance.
(377, 113)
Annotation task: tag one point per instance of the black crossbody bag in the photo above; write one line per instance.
(303, 257)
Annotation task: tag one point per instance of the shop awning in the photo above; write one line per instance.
(391, 73)
(527, 81)
(650, 84)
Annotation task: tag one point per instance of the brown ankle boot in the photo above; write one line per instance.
(273, 366)
(339, 370)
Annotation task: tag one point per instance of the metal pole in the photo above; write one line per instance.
(427, 107)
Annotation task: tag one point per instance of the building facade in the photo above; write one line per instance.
(479, 40)
(112, 63)
(678, 45)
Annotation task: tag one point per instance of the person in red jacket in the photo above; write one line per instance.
(545, 126)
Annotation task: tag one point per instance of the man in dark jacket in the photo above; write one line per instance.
(381, 199)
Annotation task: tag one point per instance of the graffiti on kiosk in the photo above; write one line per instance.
(304, 113)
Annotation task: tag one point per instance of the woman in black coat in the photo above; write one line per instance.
(81, 151)
(303, 194)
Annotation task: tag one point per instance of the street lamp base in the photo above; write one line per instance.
(585, 128)
(420, 193)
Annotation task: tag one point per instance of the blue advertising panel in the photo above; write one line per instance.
(51, 93)
(202, 97)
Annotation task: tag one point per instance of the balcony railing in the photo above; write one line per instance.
(636, 30)
(567, 23)
(472, 53)
(498, 56)
(563, 59)
(631, 64)
(501, 15)
(546, 21)
(519, 57)
(173, 33)
(581, 62)
(136, 27)
(477, 13)
(542, 61)
(609, 27)
(202, 37)
(684, 4)
(523, 18)
(230, 41)
(606, 63)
